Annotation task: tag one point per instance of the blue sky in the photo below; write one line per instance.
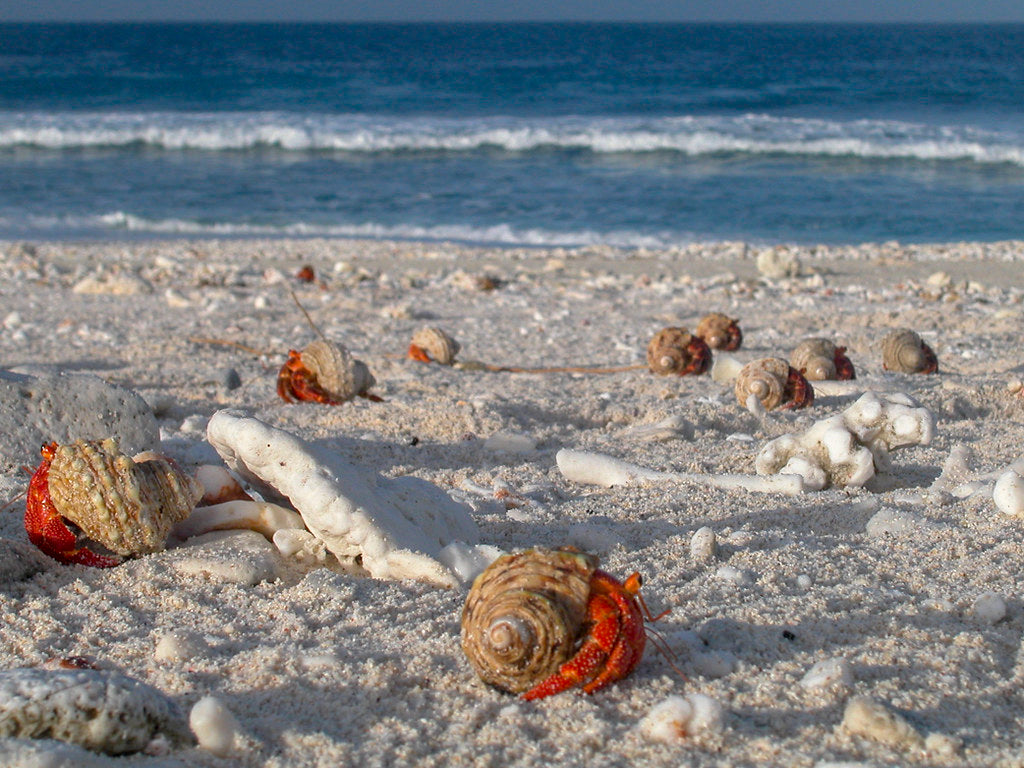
(490, 10)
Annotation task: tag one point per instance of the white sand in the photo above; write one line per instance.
(321, 667)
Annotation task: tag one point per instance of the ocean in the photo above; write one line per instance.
(636, 135)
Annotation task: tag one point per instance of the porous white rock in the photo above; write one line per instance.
(97, 709)
(678, 719)
(398, 526)
(849, 448)
(467, 562)
(214, 725)
(230, 557)
(866, 717)
(1008, 494)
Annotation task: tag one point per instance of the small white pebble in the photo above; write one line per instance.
(733, 575)
(703, 544)
(803, 581)
(989, 607)
(178, 646)
(680, 718)
(214, 726)
(824, 674)
(942, 744)
(1008, 494)
(260, 302)
(176, 299)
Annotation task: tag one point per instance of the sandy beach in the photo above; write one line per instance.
(911, 585)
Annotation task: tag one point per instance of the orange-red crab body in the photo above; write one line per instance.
(296, 382)
(47, 529)
(798, 392)
(844, 368)
(613, 643)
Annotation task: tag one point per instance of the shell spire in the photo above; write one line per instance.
(676, 350)
(433, 345)
(524, 614)
(775, 383)
(335, 370)
(820, 360)
(720, 332)
(904, 351)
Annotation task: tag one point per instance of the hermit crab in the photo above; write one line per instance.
(820, 360)
(324, 372)
(775, 383)
(904, 351)
(542, 621)
(127, 505)
(676, 350)
(720, 332)
(433, 345)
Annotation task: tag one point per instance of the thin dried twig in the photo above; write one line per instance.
(308, 318)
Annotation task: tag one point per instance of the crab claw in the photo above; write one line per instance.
(844, 368)
(798, 393)
(45, 526)
(417, 352)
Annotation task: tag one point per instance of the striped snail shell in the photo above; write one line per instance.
(676, 350)
(766, 378)
(720, 332)
(335, 370)
(904, 351)
(126, 505)
(523, 615)
(438, 345)
(815, 358)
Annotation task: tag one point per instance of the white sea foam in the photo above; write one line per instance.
(499, 234)
(693, 135)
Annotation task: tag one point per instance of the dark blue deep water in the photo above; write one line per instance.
(514, 133)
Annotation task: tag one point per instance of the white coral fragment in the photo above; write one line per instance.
(848, 449)
(601, 469)
(869, 718)
(397, 526)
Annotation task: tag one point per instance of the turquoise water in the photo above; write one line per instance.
(526, 134)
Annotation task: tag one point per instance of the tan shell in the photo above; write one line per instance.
(766, 378)
(439, 346)
(127, 506)
(668, 352)
(904, 352)
(524, 614)
(815, 358)
(714, 329)
(335, 370)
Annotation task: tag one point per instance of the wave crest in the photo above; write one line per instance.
(689, 136)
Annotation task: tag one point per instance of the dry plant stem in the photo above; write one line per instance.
(306, 314)
(229, 343)
(564, 369)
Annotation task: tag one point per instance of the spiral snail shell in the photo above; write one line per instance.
(821, 360)
(775, 383)
(720, 332)
(335, 370)
(904, 351)
(432, 344)
(127, 506)
(523, 615)
(676, 350)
